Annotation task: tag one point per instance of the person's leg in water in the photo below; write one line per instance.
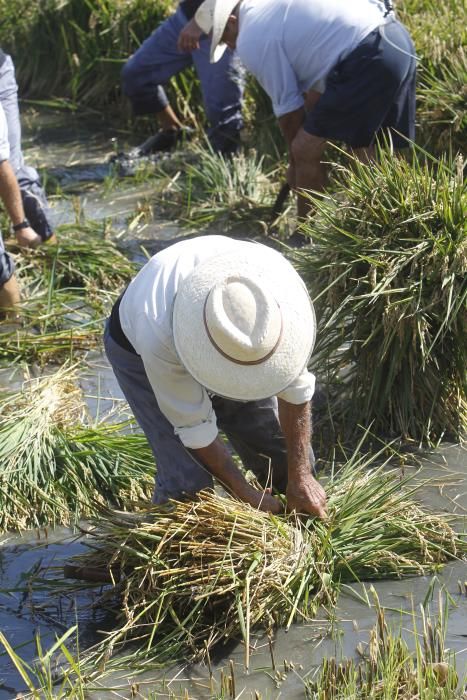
(9, 288)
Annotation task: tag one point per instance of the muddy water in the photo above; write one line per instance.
(76, 153)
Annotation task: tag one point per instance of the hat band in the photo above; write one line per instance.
(234, 359)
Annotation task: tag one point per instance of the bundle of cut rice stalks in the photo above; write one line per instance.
(56, 466)
(84, 258)
(53, 325)
(188, 576)
(387, 273)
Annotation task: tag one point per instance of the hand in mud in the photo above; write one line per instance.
(188, 39)
(307, 496)
(28, 238)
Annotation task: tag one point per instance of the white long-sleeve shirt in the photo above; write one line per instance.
(146, 320)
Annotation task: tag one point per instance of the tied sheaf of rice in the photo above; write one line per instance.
(56, 465)
(195, 573)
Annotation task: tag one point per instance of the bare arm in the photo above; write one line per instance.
(304, 493)
(217, 460)
(11, 197)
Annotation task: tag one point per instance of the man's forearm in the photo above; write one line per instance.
(295, 422)
(304, 493)
(10, 193)
(218, 461)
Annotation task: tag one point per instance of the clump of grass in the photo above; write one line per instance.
(54, 325)
(390, 669)
(440, 36)
(196, 574)
(387, 273)
(442, 103)
(236, 187)
(84, 257)
(56, 465)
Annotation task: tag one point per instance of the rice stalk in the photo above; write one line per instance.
(387, 271)
(196, 574)
(83, 258)
(390, 668)
(56, 465)
(54, 325)
(237, 187)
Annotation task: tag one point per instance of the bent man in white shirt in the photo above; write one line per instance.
(217, 333)
(335, 71)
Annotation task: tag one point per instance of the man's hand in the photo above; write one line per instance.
(28, 238)
(306, 495)
(188, 39)
(262, 500)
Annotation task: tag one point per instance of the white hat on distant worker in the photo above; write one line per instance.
(212, 16)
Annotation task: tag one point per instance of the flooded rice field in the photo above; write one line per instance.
(75, 154)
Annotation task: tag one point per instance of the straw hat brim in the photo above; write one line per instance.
(201, 358)
(222, 11)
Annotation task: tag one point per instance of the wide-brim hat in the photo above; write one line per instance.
(212, 16)
(244, 325)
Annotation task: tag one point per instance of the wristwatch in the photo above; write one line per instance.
(24, 224)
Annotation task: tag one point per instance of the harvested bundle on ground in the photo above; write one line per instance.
(83, 258)
(387, 272)
(192, 575)
(53, 325)
(56, 466)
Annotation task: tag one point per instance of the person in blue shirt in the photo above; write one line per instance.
(159, 59)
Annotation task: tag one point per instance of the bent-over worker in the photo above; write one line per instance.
(215, 333)
(334, 70)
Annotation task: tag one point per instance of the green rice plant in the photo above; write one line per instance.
(84, 257)
(390, 669)
(56, 464)
(40, 677)
(442, 104)
(54, 325)
(439, 32)
(190, 575)
(90, 38)
(387, 273)
(237, 187)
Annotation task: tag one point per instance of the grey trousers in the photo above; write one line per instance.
(252, 428)
(34, 200)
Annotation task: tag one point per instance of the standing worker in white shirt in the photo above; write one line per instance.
(217, 333)
(335, 70)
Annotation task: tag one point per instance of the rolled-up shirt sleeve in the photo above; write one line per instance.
(271, 67)
(182, 400)
(301, 390)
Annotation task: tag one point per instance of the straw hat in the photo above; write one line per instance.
(212, 15)
(244, 325)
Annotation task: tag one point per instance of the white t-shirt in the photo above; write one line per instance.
(146, 319)
(292, 45)
(4, 145)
